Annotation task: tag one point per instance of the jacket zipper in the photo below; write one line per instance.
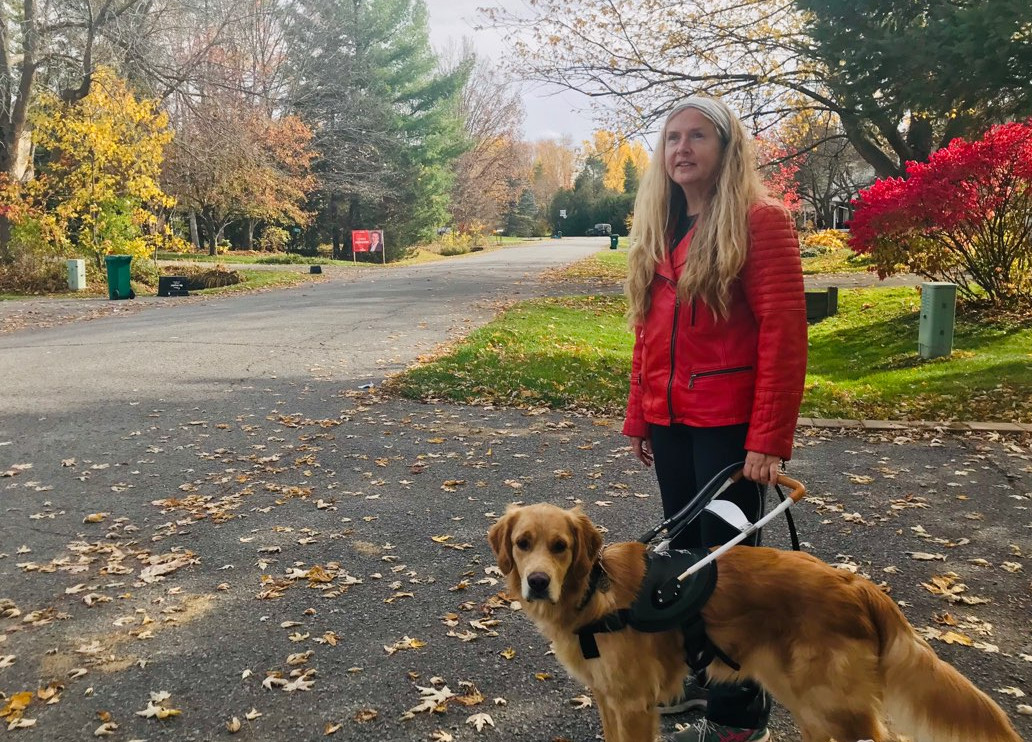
(721, 372)
(673, 349)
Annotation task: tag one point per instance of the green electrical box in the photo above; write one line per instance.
(938, 309)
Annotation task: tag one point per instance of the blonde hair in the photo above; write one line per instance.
(721, 236)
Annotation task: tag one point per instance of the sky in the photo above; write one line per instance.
(549, 115)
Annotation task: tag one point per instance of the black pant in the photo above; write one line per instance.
(686, 459)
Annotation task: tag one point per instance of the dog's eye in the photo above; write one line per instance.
(558, 547)
(523, 544)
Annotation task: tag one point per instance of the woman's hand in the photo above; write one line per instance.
(761, 467)
(642, 449)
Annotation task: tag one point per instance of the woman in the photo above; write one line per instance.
(715, 295)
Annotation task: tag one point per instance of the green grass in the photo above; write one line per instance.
(569, 353)
(611, 265)
(574, 353)
(837, 261)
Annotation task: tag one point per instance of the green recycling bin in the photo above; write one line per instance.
(118, 276)
(614, 241)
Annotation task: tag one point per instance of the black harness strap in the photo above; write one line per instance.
(662, 604)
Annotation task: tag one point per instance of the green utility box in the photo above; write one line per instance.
(118, 276)
(938, 310)
(614, 241)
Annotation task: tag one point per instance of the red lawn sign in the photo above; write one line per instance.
(367, 240)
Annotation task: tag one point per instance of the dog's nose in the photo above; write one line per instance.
(538, 583)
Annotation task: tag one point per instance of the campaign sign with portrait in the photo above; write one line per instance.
(367, 240)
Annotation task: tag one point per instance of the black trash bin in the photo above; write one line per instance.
(118, 276)
(614, 241)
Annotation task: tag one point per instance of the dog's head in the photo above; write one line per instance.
(550, 549)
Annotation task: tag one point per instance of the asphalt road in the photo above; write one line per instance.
(200, 501)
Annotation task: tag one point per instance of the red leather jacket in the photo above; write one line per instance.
(697, 370)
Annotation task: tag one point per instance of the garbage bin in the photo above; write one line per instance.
(118, 276)
(614, 241)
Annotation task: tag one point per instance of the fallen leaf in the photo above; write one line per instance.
(479, 721)
(234, 725)
(106, 729)
(581, 702)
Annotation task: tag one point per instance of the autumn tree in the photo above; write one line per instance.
(772, 59)
(551, 167)
(828, 171)
(491, 113)
(615, 151)
(100, 166)
(232, 162)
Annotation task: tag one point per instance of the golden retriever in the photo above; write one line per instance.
(829, 646)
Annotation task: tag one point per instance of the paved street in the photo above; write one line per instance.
(200, 502)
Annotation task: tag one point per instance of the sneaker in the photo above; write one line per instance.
(707, 731)
(693, 696)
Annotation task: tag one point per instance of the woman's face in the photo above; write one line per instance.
(693, 151)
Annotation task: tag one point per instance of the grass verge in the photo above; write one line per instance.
(610, 266)
(574, 353)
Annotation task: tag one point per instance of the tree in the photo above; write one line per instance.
(385, 121)
(615, 151)
(964, 216)
(230, 162)
(491, 112)
(773, 59)
(829, 172)
(552, 166)
(101, 164)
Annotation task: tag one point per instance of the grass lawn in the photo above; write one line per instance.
(575, 353)
(610, 266)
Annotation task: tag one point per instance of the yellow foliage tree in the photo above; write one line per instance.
(615, 151)
(101, 163)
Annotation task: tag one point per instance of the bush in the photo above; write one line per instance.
(823, 242)
(274, 239)
(964, 216)
(32, 274)
(454, 243)
(200, 277)
(285, 259)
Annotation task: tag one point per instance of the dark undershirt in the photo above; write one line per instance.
(684, 223)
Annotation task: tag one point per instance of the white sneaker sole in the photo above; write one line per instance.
(682, 707)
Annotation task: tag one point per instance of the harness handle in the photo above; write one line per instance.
(798, 489)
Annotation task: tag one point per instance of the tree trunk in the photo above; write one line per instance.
(249, 235)
(334, 231)
(195, 237)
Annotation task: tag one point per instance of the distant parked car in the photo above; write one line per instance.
(600, 230)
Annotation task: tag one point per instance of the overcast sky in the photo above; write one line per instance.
(548, 116)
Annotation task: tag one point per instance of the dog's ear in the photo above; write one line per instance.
(587, 542)
(500, 538)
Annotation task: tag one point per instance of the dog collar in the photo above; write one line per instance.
(597, 580)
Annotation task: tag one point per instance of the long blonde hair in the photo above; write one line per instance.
(721, 236)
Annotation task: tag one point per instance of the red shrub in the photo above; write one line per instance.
(964, 216)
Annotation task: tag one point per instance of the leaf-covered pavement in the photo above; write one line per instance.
(313, 562)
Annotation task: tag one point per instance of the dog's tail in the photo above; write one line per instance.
(926, 698)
